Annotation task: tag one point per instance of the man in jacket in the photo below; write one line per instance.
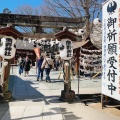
(40, 70)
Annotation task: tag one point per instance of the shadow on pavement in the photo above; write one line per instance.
(4, 106)
(69, 115)
(89, 99)
(26, 89)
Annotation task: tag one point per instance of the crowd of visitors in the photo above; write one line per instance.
(43, 63)
(24, 64)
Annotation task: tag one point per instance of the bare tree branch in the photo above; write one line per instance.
(74, 8)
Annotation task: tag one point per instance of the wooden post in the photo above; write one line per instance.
(67, 94)
(2, 72)
(79, 70)
(7, 93)
(102, 102)
(77, 61)
(78, 81)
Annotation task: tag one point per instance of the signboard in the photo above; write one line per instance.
(66, 49)
(7, 47)
(111, 49)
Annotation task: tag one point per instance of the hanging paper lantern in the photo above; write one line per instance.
(2, 47)
(43, 42)
(57, 42)
(29, 40)
(63, 54)
(43, 38)
(61, 46)
(48, 42)
(39, 40)
(52, 43)
(66, 49)
(24, 42)
(8, 49)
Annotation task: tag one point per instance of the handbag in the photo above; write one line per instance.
(49, 66)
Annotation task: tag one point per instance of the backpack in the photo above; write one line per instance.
(50, 66)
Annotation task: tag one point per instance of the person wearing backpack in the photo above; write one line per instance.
(47, 65)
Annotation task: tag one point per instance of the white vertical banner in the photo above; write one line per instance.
(111, 49)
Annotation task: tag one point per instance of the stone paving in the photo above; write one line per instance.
(35, 100)
(84, 83)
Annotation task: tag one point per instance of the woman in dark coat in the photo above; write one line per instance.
(26, 65)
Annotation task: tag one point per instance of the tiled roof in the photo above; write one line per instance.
(10, 31)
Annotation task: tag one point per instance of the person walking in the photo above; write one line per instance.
(26, 66)
(48, 65)
(56, 63)
(20, 65)
(40, 70)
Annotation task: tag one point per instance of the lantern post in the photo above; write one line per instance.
(66, 53)
(7, 51)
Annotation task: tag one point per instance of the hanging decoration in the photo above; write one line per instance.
(39, 42)
(37, 52)
(91, 51)
(90, 61)
(51, 43)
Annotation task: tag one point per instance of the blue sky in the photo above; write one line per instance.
(13, 4)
